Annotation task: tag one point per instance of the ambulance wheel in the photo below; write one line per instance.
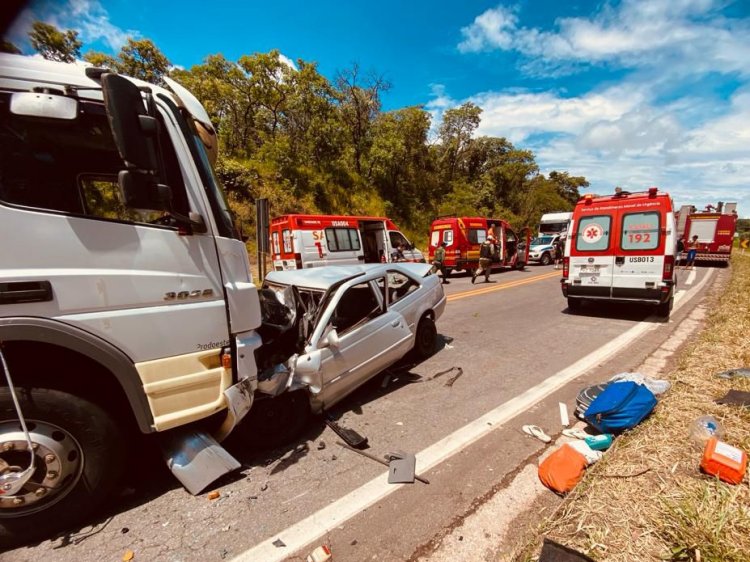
(574, 305)
(664, 309)
(546, 259)
(424, 343)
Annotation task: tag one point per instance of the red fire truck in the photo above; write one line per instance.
(714, 226)
(464, 235)
(302, 241)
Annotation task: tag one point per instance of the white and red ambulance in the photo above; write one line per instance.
(302, 241)
(622, 248)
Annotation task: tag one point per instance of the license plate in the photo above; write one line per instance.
(589, 269)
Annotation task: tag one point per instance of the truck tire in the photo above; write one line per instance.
(424, 342)
(546, 259)
(79, 460)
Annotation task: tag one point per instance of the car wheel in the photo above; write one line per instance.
(546, 259)
(273, 422)
(424, 344)
(574, 305)
(664, 309)
(78, 455)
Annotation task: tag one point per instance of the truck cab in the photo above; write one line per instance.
(126, 302)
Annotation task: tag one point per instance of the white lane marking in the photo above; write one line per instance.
(691, 277)
(337, 513)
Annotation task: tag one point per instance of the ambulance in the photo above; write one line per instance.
(622, 248)
(302, 241)
(464, 235)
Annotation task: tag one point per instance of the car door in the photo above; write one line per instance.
(591, 256)
(369, 338)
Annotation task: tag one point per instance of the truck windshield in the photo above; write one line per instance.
(214, 190)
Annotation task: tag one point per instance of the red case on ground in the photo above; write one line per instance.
(722, 460)
(563, 469)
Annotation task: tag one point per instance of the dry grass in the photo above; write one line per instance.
(647, 499)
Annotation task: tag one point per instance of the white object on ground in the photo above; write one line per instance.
(575, 433)
(536, 431)
(564, 419)
(657, 386)
(591, 455)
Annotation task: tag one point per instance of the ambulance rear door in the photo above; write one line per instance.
(639, 258)
(592, 256)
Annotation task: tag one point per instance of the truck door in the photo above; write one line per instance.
(591, 254)
(639, 259)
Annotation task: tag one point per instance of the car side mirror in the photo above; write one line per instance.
(331, 340)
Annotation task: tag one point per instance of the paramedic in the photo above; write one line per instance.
(398, 253)
(692, 248)
(486, 251)
(438, 263)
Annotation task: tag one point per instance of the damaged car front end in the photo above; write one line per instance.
(326, 331)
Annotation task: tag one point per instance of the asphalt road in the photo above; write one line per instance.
(508, 336)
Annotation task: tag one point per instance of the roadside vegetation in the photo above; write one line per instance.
(310, 144)
(647, 499)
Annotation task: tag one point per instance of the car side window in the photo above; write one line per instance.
(399, 285)
(357, 305)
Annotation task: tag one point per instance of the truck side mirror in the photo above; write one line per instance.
(135, 132)
(139, 191)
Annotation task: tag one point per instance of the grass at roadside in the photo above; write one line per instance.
(647, 499)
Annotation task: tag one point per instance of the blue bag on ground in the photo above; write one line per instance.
(620, 406)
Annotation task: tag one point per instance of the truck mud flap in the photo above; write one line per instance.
(195, 458)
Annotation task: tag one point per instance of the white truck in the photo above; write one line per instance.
(126, 302)
(554, 223)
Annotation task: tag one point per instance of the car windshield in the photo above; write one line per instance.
(542, 240)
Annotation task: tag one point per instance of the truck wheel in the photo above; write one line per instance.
(574, 305)
(664, 309)
(424, 343)
(546, 259)
(78, 459)
(273, 422)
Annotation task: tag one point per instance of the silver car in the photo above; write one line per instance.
(327, 330)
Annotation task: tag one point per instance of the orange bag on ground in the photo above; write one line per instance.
(563, 469)
(722, 460)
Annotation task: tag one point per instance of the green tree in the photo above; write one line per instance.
(455, 134)
(54, 44)
(568, 186)
(138, 58)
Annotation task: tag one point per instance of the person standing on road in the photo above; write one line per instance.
(438, 262)
(692, 248)
(486, 251)
(557, 248)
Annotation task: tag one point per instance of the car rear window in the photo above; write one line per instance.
(640, 231)
(593, 233)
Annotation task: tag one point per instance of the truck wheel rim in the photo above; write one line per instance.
(58, 465)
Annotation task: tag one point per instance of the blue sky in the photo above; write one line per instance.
(632, 93)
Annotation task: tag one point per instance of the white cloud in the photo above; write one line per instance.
(675, 36)
(88, 17)
(287, 61)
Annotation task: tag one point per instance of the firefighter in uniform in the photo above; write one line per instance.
(486, 251)
(438, 262)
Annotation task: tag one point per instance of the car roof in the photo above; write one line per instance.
(324, 277)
